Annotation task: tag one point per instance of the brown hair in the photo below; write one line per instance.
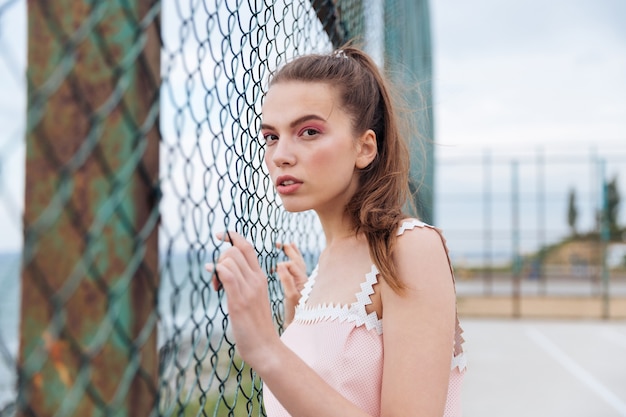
(376, 208)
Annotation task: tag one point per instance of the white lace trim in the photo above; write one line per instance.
(308, 287)
(410, 225)
(459, 361)
(354, 313)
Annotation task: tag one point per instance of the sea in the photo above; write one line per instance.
(9, 324)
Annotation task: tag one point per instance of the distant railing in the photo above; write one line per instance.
(549, 223)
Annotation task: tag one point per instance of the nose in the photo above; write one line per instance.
(282, 153)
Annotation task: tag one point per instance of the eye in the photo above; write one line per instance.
(310, 132)
(270, 138)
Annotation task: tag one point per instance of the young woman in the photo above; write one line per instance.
(383, 284)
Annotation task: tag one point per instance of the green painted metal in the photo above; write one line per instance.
(342, 21)
(90, 262)
(408, 57)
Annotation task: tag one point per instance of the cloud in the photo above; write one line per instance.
(532, 71)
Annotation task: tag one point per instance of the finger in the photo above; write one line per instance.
(296, 259)
(230, 276)
(299, 276)
(296, 277)
(287, 279)
(242, 244)
(215, 280)
(293, 253)
(235, 256)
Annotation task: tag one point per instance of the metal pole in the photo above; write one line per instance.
(541, 219)
(487, 227)
(516, 261)
(89, 278)
(596, 179)
(605, 236)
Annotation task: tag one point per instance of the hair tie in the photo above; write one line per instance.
(339, 53)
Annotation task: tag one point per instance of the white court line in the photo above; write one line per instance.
(575, 369)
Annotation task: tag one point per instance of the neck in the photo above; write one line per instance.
(337, 228)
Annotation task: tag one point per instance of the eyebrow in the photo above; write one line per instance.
(296, 122)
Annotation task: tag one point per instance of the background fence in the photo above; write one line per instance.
(138, 124)
(544, 228)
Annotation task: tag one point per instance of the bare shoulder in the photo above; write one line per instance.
(421, 255)
(418, 323)
(416, 233)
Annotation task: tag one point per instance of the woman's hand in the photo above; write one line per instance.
(239, 274)
(292, 275)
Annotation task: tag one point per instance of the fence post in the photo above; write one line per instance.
(516, 265)
(408, 56)
(541, 221)
(90, 261)
(487, 223)
(605, 236)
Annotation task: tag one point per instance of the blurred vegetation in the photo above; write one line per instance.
(237, 397)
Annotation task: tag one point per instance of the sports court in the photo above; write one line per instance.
(545, 368)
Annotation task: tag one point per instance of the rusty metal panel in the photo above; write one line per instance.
(90, 263)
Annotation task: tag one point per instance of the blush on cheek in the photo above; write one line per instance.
(331, 154)
(325, 154)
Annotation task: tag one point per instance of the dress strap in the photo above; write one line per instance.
(411, 224)
(308, 287)
(363, 299)
(353, 313)
(367, 288)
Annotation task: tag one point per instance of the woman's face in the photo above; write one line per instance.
(311, 150)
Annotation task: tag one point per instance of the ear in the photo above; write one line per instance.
(366, 149)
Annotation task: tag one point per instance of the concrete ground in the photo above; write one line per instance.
(545, 368)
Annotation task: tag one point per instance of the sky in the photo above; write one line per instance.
(526, 81)
(515, 77)
(522, 73)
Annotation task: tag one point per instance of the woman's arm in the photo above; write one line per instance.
(418, 328)
(418, 333)
(298, 387)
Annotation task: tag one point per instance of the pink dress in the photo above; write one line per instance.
(344, 345)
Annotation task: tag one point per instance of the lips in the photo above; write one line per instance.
(287, 184)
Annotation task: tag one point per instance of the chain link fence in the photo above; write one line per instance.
(141, 123)
(537, 233)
